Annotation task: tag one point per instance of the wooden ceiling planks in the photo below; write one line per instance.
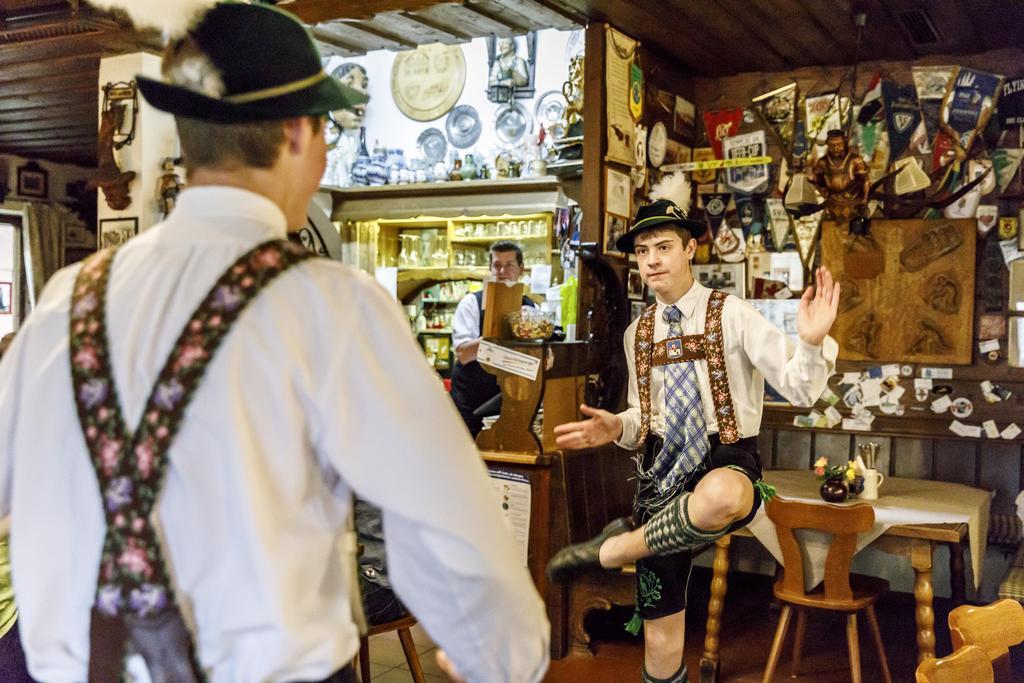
(705, 39)
(418, 29)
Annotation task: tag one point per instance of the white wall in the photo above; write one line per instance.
(386, 123)
(155, 139)
(59, 177)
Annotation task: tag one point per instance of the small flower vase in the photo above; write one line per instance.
(834, 490)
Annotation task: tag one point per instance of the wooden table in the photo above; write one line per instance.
(917, 542)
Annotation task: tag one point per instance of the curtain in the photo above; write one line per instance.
(43, 244)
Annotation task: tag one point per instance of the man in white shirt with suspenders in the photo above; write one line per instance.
(228, 392)
(698, 360)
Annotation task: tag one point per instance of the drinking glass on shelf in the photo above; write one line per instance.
(522, 228)
(479, 230)
(503, 228)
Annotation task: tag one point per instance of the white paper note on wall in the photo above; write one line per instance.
(514, 496)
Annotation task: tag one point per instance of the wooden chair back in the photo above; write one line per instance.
(995, 628)
(969, 663)
(843, 522)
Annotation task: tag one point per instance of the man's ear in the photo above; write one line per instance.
(297, 132)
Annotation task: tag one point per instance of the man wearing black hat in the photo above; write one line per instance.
(697, 360)
(229, 391)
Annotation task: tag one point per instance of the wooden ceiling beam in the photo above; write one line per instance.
(367, 37)
(50, 83)
(40, 112)
(319, 11)
(567, 11)
(514, 26)
(380, 32)
(540, 14)
(511, 20)
(334, 41)
(12, 130)
(459, 36)
(468, 19)
(45, 99)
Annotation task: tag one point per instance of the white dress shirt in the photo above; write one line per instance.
(755, 351)
(319, 389)
(466, 321)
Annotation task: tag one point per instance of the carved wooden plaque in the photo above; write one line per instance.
(428, 81)
(919, 307)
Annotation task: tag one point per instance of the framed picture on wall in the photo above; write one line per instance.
(115, 231)
(634, 285)
(636, 308)
(614, 227)
(6, 292)
(728, 277)
(33, 181)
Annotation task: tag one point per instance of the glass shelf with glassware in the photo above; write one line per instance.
(430, 243)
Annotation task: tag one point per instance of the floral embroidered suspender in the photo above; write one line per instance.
(710, 346)
(134, 599)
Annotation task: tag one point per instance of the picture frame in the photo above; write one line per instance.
(634, 285)
(1020, 231)
(116, 231)
(728, 277)
(636, 308)
(33, 181)
(614, 227)
(6, 301)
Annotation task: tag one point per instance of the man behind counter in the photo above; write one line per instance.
(472, 386)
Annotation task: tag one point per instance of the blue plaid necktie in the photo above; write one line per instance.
(686, 433)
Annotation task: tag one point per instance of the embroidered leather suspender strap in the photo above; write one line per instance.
(710, 346)
(718, 374)
(134, 598)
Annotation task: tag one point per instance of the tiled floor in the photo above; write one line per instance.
(387, 659)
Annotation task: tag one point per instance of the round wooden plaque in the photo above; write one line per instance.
(428, 81)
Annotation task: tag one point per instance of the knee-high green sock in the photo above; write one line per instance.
(680, 676)
(671, 531)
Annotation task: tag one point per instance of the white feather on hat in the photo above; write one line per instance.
(676, 188)
(171, 17)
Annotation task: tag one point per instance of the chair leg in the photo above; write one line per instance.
(853, 642)
(780, 638)
(409, 647)
(798, 640)
(364, 658)
(877, 635)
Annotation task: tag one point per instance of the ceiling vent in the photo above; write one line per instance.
(919, 27)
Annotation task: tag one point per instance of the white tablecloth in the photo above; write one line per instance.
(900, 501)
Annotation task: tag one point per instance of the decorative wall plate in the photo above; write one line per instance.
(432, 145)
(550, 113)
(463, 126)
(657, 143)
(428, 81)
(512, 122)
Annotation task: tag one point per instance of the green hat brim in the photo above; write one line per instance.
(625, 242)
(319, 99)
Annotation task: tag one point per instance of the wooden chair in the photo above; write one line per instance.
(408, 647)
(969, 663)
(843, 591)
(994, 628)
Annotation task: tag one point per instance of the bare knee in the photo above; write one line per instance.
(721, 497)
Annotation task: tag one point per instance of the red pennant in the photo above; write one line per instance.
(721, 124)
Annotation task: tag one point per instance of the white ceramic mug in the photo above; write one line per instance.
(872, 481)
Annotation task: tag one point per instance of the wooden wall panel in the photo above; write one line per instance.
(954, 461)
(1000, 471)
(793, 451)
(912, 458)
